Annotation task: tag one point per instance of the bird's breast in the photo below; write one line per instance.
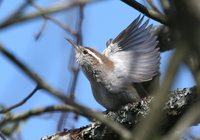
(110, 89)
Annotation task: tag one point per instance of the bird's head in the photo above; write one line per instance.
(90, 59)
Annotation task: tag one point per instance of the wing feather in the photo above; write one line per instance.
(134, 52)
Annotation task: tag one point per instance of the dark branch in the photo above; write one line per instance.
(73, 67)
(31, 74)
(148, 12)
(21, 102)
(38, 35)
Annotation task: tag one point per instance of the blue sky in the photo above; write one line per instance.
(48, 57)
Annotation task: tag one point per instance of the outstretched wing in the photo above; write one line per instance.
(134, 52)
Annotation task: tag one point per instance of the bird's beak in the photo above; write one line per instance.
(73, 44)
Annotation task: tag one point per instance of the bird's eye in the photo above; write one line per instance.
(85, 52)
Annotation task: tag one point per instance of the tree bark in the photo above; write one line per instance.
(178, 102)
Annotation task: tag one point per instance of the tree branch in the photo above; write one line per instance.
(53, 9)
(38, 35)
(189, 118)
(73, 66)
(31, 74)
(148, 12)
(65, 27)
(21, 102)
(178, 102)
(38, 111)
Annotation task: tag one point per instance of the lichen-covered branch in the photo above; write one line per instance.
(179, 101)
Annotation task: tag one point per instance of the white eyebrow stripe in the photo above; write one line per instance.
(95, 56)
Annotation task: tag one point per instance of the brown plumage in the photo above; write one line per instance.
(123, 73)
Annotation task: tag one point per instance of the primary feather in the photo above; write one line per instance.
(134, 52)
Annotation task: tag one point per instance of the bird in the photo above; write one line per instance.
(130, 62)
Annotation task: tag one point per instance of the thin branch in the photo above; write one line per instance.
(74, 69)
(32, 75)
(53, 9)
(38, 35)
(89, 113)
(148, 12)
(54, 20)
(11, 129)
(61, 25)
(21, 102)
(39, 111)
(2, 136)
(23, 116)
(17, 12)
(161, 94)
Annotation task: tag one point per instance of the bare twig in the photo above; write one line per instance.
(32, 75)
(54, 20)
(53, 9)
(39, 111)
(21, 102)
(75, 69)
(2, 136)
(89, 113)
(65, 27)
(148, 12)
(41, 30)
(18, 11)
